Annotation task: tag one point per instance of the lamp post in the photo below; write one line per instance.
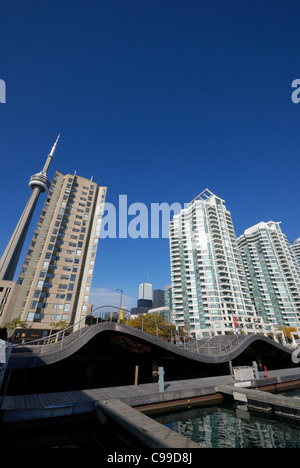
(120, 309)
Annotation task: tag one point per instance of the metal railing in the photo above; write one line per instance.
(215, 346)
(57, 340)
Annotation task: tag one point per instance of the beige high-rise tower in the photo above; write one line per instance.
(56, 276)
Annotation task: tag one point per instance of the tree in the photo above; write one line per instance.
(15, 323)
(62, 324)
(153, 324)
(288, 333)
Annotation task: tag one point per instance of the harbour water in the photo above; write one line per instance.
(233, 425)
(227, 425)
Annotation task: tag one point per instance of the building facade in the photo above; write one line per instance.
(272, 274)
(158, 298)
(56, 276)
(145, 291)
(210, 294)
(295, 246)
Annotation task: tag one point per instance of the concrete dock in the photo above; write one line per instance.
(32, 407)
(263, 401)
(176, 394)
(129, 406)
(148, 431)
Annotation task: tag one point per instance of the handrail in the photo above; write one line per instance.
(112, 313)
(61, 334)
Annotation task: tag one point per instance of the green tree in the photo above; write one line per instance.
(62, 324)
(13, 324)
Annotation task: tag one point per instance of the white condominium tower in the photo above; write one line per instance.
(295, 246)
(209, 288)
(272, 274)
(57, 272)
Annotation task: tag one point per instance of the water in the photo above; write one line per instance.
(228, 425)
(232, 425)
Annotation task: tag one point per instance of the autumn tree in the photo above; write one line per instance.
(155, 325)
(287, 331)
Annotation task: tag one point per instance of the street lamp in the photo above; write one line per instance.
(120, 309)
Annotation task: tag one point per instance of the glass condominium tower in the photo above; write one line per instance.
(295, 246)
(57, 271)
(272, 274)
(209, 288)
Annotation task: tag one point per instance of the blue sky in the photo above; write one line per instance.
(157, 100)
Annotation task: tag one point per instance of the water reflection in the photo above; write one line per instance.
(233, 426)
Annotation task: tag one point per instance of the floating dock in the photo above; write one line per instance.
(263, 401)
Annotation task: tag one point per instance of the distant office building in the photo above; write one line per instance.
(158, 298)
(209, 287)
(295, 246)
(144, 302)
(272, 274)
(145, 291)
(56, 276)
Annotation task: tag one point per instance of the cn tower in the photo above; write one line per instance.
(39, 183)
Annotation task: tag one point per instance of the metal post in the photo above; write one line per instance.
(120, 310)
(161, 384)
(136, 375)
(256, 373)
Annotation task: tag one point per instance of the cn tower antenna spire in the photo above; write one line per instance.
(50, 156)
(39, 183)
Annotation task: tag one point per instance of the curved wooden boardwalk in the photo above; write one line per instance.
(215, 350)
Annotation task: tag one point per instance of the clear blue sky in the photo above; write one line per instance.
(157, 100)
